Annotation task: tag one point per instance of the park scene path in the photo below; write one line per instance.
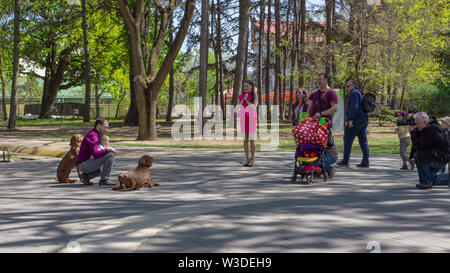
(208, 202)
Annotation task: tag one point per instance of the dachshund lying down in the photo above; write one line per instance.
(70, 161)
(137, 178)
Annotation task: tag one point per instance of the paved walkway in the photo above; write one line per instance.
(208, 202)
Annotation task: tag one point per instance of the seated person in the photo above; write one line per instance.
(432, 149)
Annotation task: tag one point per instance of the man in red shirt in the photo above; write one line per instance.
(90, 159)
(327, 105)
(324, 103)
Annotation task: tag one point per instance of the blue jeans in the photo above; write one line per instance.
(359, 130)
(427, 171)
(327, 161)
(92, 166)
(443, 179)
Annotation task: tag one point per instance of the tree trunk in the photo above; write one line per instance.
(394, 98)
(131, 119)
(97, 99)
(328, 36)
(118, 104)
(87, 69)
(2, 78)
(219, 46)
(244, 8)
(301, 63)
(148, 86)
(262, 7)
(294, 52)
(171, 80)
(402, 100)
(277, 54)
(15, 80)
(267, 79)
(54, 81)
(203, 77)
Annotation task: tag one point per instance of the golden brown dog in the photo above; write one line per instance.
(137, 178)
(70, 161)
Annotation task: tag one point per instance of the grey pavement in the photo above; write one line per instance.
(208, 202)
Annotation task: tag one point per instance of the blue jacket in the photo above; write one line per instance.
(355, 103)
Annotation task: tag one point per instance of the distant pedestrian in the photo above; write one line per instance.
(403, 135)
(248, 115)
(356, 126)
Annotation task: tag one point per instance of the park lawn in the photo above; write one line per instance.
(57, 122)
(382, 140)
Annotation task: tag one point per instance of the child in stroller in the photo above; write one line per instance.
(311, 137)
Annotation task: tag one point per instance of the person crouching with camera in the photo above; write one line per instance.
(432, 149)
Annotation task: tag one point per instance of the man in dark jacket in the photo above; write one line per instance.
(356, 126)
(432, 149)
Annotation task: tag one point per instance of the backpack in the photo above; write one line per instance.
(369, 102)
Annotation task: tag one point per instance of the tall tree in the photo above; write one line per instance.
(329, 6)
(149, 81)
(301, 55)
(262, 7)
(294, 53)
(2, 78)
(204, 30)
(244, 8)
(15, 79)
(277, 54)
(267, 66)
(87, 66)
(171, 79)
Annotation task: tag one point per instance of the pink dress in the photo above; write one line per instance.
(248, 116)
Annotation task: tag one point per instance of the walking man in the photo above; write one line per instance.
(356, 126)
(324, 103)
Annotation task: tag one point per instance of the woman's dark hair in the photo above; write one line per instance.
(250, 82)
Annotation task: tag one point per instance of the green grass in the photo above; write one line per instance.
(383, 140)
(56, 122)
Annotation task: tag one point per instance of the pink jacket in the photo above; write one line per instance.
(89, 147)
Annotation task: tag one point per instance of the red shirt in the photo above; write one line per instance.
(327, 98)
(89, 147)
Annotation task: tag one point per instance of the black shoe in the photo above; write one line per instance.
(106, 183)
(86, 180)
(424, 187)
(362, 166)
(344, 164)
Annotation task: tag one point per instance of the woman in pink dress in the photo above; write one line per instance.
(248, 115)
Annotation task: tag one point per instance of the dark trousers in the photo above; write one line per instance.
(359, 130)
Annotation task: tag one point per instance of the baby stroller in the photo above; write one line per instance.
(311, 138)
(309, 163)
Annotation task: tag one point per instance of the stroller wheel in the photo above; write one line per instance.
(294, 178)
(325, 176)
(309, 179)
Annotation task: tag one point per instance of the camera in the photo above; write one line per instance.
(405, 122)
